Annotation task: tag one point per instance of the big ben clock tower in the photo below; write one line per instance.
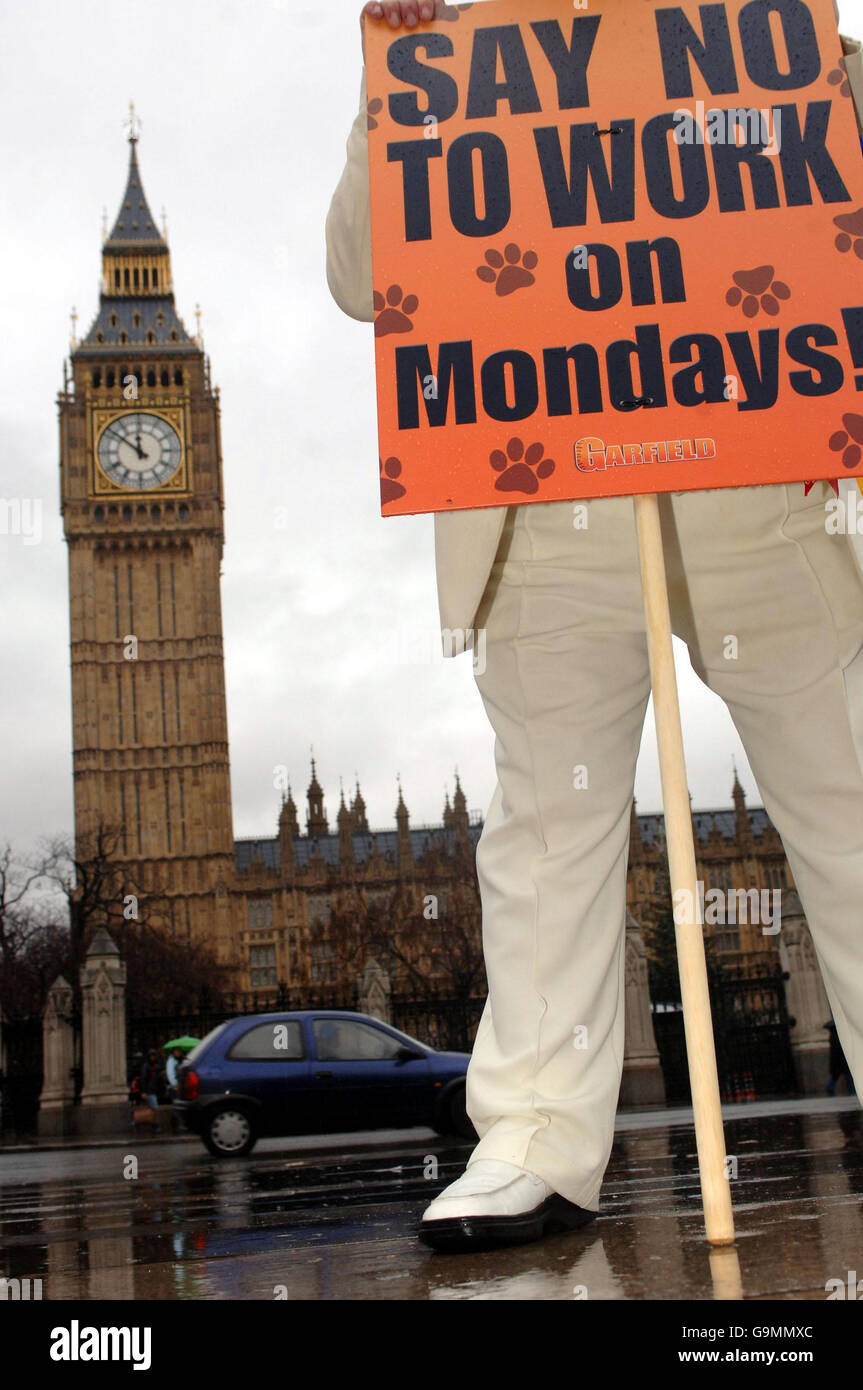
(142, 502)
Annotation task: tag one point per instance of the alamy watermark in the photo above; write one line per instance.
(721, 907)
(21, 516)
(21, 1290)
(724, 127)
(421, 647)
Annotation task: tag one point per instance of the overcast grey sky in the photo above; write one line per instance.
(245, 109)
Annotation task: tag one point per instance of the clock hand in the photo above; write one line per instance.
(122, 438)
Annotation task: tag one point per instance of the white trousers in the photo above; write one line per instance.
(566, 684)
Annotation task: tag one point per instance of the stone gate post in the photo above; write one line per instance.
(104, 1098)
(373, 990)
(57, 1100)
(807, 1001)
(642, 1082)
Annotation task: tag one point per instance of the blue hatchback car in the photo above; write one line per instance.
(316, 1073)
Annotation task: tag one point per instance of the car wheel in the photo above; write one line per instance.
(229, 1132)
(457, 1119)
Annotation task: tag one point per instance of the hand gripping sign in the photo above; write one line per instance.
(616, 249)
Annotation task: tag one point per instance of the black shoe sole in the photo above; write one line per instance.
(555, 1214)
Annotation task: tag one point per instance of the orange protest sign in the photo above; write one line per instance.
(616, 249)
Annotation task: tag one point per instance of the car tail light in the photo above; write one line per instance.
(191, 1086)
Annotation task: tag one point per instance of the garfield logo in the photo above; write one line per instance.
(593, 455)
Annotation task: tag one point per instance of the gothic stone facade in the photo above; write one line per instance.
(289, 884)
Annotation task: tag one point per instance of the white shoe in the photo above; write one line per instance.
(499, 1203)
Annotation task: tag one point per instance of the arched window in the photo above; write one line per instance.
(136, 320)
(100, 336)
(151, 377)
(166, 380)
(124, 337)
(97, 376)
(183, 512)
(178, 376)
(109, 377)
(145, 275)
(127, 513)
(156, 512)
(116, 277)
(173, 335)
(98, 513)
(126, 278)
(113, 320)
(155, 278)
(151, 337)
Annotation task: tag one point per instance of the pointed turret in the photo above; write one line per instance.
(136, 303)
(358, 813)
(288, 814)
(288, 831)
(447, 812)
(459, 811)
(405, 849)
(742, 824)
(135, 222)
(316, 820)
(344, 821)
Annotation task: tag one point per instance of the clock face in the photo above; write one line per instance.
(139, 451)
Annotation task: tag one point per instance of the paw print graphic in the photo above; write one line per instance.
(850, 226)
(453, 12)
(752, 287)
(851, 453)
(373, 109)
(393, 311)
(390, 471)
(510, 271)
(520, 469)
(840, 75)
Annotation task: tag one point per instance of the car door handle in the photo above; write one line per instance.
(323, 1076)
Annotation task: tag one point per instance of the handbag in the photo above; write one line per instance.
(144, 1115)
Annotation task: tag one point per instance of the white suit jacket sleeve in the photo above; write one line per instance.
(349, 251)
(854, 68)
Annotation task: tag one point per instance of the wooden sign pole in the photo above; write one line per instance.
(703, 1078)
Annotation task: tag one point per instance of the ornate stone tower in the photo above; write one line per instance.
(142, 501)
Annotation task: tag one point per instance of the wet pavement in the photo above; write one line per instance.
(336, 1218)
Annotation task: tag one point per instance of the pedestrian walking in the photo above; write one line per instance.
(152, 1083)
(172, 1068)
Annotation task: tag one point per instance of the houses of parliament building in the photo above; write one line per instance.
(142, 504)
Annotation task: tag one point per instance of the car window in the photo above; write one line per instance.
(205, 1042)
(270, 1042)
(343, 1040)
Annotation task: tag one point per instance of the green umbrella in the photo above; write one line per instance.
(186, 1043)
